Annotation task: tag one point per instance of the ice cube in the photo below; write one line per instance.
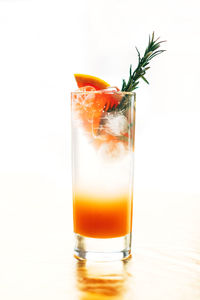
(83, 96)
(112, 89)
(116, 124)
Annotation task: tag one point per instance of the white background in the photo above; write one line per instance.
(42, 43)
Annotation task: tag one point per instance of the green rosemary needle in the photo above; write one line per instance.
(151, 51)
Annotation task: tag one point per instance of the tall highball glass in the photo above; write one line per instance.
(103, 134)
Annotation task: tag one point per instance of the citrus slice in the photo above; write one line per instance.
(91, 105)
(88, 80)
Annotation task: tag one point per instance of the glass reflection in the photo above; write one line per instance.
(102, 281)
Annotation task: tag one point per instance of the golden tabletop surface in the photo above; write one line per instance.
(37, 252)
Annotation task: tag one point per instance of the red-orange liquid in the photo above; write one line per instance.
(102, 217)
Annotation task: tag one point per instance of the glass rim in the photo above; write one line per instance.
(103, 91)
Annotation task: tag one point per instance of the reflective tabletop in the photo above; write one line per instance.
(165, 262)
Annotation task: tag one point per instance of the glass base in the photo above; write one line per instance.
(109, 249)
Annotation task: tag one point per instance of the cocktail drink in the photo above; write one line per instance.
(103, 130)
(103, 146)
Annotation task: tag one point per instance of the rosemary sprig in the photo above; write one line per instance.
(134, 77)
(150, 52)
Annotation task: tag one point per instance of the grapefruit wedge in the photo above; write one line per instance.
(83, 80)
(91, 106)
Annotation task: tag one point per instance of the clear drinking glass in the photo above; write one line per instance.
(102, 170)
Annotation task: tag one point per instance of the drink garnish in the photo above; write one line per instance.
(101, 106)
(151, 51)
